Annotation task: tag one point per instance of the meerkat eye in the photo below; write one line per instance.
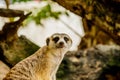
(66, 39)
(56, 39)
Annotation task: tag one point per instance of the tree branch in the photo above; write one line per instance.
(10, 13)
(72, 5)
(7, 3)
(10, 29)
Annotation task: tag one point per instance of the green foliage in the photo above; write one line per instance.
(46, 12)
(13, 1)
(115, 60)
(42, 13)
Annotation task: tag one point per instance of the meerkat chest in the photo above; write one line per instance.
(55, 60)
(56, 57)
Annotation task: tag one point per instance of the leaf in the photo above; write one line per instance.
(56, 15)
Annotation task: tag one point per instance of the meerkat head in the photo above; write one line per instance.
(59, 41)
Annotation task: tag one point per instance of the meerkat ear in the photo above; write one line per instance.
(47, 41)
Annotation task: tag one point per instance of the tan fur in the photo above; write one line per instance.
(43, 64)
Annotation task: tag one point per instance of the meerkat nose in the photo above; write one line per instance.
(61, 43)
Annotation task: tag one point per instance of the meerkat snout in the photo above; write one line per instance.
(61, 44)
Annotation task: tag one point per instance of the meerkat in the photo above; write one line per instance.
(44, 63)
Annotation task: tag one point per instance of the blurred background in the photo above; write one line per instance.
(93, 25)
(39, 29)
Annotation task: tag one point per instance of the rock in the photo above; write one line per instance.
(89, 64)
(22, 48)
(4, 69)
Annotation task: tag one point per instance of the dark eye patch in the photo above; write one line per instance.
(66, 39)
(56, 39)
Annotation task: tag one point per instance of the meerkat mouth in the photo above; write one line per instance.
(60, 46)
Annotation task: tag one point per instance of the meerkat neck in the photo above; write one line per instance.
(53, 58)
